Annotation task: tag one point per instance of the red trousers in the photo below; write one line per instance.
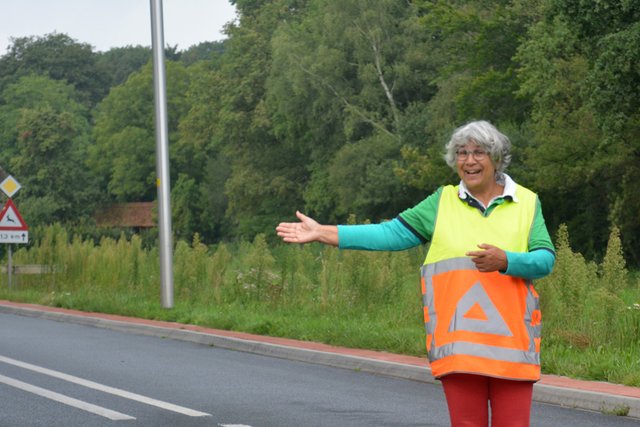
(469, 396)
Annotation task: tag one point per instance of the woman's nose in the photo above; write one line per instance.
(470, 159)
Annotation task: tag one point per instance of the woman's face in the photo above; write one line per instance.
(477, 175)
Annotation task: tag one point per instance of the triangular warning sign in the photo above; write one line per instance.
(10, 219)
(476, 312)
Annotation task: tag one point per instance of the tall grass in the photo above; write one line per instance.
(591, 314)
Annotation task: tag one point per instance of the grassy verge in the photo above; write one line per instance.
(591, 313)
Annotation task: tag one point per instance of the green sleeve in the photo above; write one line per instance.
(421, 219)
(530, 265)
(538, 261)
(539, 237)
(388, 236)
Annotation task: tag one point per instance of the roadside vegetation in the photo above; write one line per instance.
(369, 300)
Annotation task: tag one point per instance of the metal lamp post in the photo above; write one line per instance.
(162, 154)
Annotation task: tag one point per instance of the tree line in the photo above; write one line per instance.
(337, 107)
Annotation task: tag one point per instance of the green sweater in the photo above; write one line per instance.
(415, 226)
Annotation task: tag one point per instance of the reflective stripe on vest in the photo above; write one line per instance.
(484, 323)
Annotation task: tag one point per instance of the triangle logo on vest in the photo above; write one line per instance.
(475, 312)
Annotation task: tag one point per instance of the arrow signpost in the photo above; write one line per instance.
(13, 229)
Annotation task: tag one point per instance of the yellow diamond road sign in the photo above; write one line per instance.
(10, 186)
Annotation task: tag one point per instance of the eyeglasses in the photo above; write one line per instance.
(479, 154)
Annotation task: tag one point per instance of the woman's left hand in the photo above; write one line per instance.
(490, 259)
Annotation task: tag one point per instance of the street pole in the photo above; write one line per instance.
(162, 154)
(9, 265)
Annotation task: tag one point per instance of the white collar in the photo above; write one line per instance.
(502, 179)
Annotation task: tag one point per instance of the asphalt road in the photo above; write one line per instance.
(62, 374)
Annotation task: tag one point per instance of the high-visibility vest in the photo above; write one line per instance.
(480, 323)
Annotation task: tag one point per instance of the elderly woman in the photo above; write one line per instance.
(488, 240)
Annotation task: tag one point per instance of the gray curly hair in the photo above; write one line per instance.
(486, 136)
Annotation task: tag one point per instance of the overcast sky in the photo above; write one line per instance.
(115, 23)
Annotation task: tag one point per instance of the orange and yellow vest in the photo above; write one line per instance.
(480, 323)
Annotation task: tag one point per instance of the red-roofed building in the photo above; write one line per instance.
(132, 215)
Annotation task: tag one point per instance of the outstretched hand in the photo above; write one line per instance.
(308, 230)
(490, 259)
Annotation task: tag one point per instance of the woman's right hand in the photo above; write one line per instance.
(307, 230)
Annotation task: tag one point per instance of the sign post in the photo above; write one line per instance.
(9, 269)
(13, 229)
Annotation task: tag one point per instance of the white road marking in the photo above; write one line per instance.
(233, 425)
(113, 415)
(106, 389)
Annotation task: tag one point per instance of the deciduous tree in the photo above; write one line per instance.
(124, 153)
(59, 57)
